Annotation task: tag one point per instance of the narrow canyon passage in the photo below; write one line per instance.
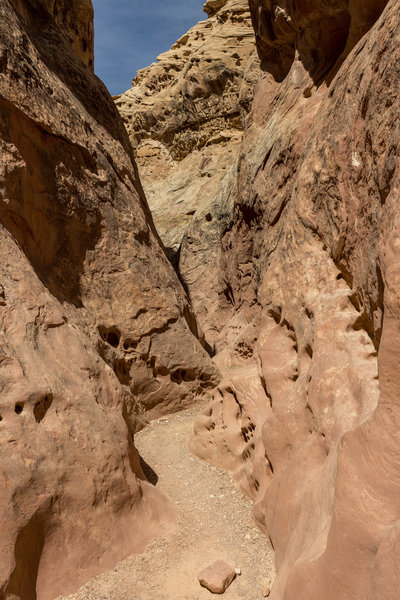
(214, 521)
(226, 230)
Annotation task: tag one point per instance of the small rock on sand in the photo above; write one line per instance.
(217, 577)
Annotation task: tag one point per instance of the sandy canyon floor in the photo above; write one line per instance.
(214, 521)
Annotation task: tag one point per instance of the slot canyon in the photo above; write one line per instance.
(200, 306)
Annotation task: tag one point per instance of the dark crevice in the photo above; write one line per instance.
(122, 369)
(228, 293)
(150, 474)
(364, 323)
(41, 407)
(278, 215)
(27, 552)
(183, 375)
(111, 335)
(344, 274)
(286, 324)
(276, 314)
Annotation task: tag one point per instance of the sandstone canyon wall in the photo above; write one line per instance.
(307, 416)
(289, 253)
(97, 335)
(185, 116)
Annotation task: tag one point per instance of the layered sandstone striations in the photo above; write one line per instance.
(307, 417)
(96, 331)
(184, 115)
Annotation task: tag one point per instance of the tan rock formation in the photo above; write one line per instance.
(307, 417)
(95, 327)
(184, 115)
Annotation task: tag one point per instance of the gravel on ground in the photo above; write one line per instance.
(214, 522)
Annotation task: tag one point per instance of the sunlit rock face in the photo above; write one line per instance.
(185, 116)
(307, 416)
(97, 335)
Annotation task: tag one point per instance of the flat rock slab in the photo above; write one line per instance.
(217, 577)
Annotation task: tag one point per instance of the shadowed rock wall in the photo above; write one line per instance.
(75, 19)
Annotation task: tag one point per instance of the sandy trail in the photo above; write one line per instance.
(214, 521)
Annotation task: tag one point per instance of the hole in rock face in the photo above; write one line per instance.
(205, 377)
(1, 418)
(288, 326)
(309, 313)
(245, 435)
(247, 432)
(180, 375)
(176, 378)
(129, 344)
(209, 217)
(40, 409)
(111, 335)
(276, 314)
(112, 339)
(162, 371)
(19, 407)
(309, 350)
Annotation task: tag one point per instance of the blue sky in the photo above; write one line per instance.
(129, 34)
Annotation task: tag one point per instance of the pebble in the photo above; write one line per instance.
(267, 588)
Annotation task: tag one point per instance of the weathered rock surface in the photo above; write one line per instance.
(75, 19)
(184, 115)
(96, 331)
(217, 577)
(307, 417)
